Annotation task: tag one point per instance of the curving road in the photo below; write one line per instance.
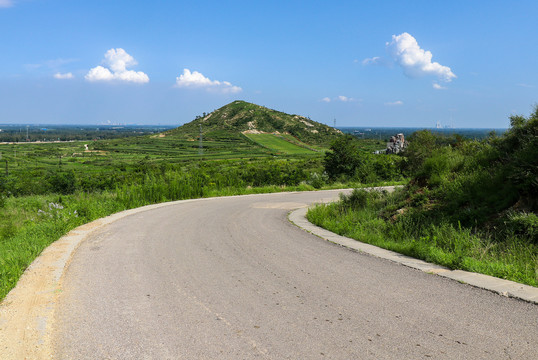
(231, 278)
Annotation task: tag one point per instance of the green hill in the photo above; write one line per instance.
(239, 117)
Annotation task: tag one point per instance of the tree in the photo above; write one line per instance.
(343, 159)
(421, 145)
(519, 154)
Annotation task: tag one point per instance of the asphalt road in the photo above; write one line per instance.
(231, 278)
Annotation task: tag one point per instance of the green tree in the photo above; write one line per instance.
(343, 159)
(421, 145)
(519, 153)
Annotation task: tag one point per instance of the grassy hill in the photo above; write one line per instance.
(239, 117)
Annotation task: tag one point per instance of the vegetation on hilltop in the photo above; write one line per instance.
(239, 116)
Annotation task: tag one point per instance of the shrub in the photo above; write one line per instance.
(317, 180)
(523, 223)
(359, 198)
(63, 182)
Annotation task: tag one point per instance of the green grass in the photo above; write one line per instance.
(292, 139)
(444, 244)
(280, 144)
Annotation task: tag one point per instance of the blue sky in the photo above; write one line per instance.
(363, 63)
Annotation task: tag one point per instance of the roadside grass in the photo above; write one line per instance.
(31, 223)
(444, 244)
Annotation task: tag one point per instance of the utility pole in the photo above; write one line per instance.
(27, 138)
(201, 147)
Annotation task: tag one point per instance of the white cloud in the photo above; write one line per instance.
(395, 103)
(526, 86)
(344, 98)
(196, 79)
(436, 86)
(132, 76)
(376, 60)
(63, 76)
(415, 61)
(341, 98)
(99, 73)
(117, 60)
(6, 3)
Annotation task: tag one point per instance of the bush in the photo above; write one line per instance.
(63, 182)
(359, 198)
(523, 224)
(317, 180)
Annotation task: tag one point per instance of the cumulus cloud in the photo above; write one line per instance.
(394, 103)
(436, 86)
(326, 99)
(63, 76)
(117, 62)
(415, 61)
(6, 3)
(196, 79)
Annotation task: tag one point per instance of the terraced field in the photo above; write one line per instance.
(281, 144)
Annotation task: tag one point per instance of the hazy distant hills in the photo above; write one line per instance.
(238, 117)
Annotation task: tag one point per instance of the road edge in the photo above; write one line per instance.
(500, 286)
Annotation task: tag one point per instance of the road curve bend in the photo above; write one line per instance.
(232, 278)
